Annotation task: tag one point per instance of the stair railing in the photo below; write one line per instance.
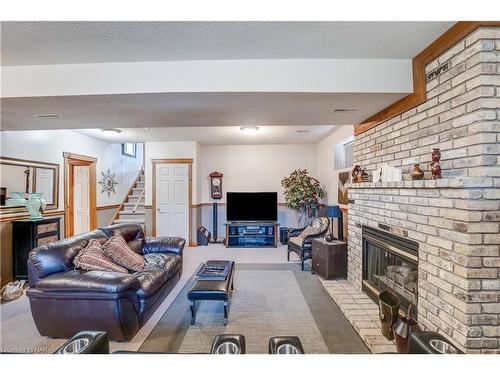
(138, 200)
(129, 192)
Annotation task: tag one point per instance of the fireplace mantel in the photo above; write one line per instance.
(455, 183)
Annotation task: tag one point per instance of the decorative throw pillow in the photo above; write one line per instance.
(93, 258)
(117, 249)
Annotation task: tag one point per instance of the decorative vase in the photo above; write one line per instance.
(403, 328)
(435, 167)
(417, 173)
(436, 155)
(436, 171)
(16, 199)
(388, 304)
(35, 205)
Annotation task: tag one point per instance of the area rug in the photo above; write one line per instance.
(268, 300)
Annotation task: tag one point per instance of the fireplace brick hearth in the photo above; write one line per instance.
(455, 220)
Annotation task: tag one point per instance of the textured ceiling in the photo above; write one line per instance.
(231, 135)
(190, 109)
(33, 43)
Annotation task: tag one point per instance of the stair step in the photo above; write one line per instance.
(137, 190)
(139, 185)
(129, 206)
(130, 212)
(134, 198)
(130, 221)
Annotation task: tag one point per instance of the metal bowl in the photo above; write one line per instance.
(76, 346)
(287, 349)
(442, 347)
(227, 347)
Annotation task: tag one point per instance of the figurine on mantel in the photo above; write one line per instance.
(358, 174)
(417, 173)
(435, 167)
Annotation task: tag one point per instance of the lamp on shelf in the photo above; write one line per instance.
(334, 212)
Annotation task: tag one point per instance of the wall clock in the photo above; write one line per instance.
(216, 185)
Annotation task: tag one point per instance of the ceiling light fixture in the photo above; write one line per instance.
(303, 131)
(111, 130)
(249, 130)
(344, 110)
(47, 115)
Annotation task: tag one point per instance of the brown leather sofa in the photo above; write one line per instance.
(65, 300)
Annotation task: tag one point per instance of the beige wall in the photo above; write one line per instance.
(325, 161)
(253, 167)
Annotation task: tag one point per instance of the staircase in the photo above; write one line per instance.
(132, 210)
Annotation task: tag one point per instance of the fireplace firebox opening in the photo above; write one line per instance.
(390, 262)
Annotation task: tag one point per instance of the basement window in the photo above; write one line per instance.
(129, 149)
(344, 154)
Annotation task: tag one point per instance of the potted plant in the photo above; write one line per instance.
(302, 194)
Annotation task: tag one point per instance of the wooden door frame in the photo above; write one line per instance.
(70, 161)
(154, 162)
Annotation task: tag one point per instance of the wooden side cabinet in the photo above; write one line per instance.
(329, 259)
(28, 234)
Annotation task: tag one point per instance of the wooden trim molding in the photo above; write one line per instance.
(69, 155)
(25, 215)
(190, 193)
(172, 161)
(456, 33)
(70, 161)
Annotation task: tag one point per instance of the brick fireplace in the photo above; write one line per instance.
(453, 220)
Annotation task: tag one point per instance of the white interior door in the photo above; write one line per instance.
(81, 204)
(172, 200)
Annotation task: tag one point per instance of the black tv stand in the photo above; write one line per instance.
(251, 234)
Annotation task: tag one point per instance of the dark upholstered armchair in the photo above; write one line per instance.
(300, 239)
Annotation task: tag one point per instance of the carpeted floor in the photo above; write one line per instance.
(268, 300)
(299, 295)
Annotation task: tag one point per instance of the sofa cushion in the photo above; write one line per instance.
(117, 249)
(88, 281)
(158, 269)
(93, 258)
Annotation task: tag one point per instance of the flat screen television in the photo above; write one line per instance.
(260, 206)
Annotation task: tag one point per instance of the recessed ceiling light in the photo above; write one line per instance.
(47, 115)
(249, 130)
(344, 109)
(303, 131)
(111, 130)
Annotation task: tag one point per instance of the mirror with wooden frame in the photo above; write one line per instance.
(20, 177)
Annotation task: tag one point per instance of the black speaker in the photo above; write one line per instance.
(203, 236)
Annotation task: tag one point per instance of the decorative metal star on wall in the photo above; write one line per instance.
(108, 182)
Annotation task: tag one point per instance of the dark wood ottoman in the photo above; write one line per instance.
(212, 290)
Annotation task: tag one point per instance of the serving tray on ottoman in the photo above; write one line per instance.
(212, 289)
